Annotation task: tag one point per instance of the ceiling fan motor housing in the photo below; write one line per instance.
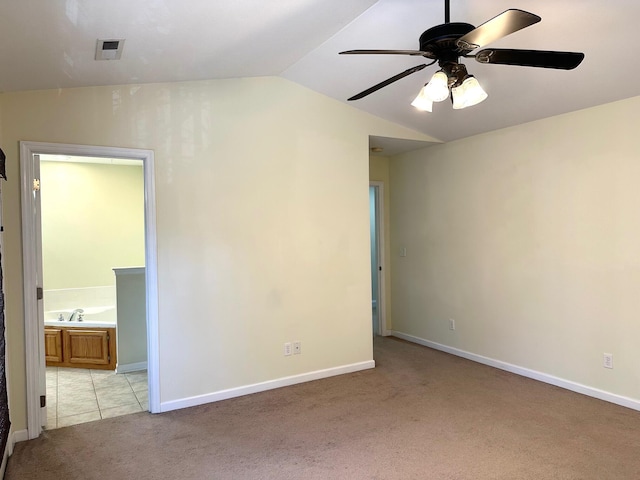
(439, 42)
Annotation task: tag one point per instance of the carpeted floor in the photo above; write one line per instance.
(420, 414)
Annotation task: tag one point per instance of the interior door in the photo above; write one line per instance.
(378, 293)
(375, 262)
(37, 218)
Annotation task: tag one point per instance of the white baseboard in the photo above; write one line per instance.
(525, 372)
(131, 367)
(14, 437)
(264, 386)
(18, 436)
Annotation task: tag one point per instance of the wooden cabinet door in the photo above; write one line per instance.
(53, 345)
(86, 347)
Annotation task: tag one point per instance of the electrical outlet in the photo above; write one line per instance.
(452, 324)
(287, 349)
(403, 252)
(607, 360)
(297, 348)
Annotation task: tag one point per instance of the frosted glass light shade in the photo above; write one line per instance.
(438, 87)
(422, 102)
(468, 94)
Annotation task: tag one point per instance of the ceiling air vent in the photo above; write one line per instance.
(109, 49)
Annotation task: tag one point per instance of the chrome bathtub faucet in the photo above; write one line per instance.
(77, 311)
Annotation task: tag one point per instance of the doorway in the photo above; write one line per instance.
(378, 268)
(30, 153)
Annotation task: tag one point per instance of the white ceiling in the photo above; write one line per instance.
(51, 44)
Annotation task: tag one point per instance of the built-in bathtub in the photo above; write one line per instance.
(92, 317)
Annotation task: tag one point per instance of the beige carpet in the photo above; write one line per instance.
(421, 414)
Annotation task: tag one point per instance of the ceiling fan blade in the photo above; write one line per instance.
(388, 81)
(506, 23)
(383, 52)
(531, 58)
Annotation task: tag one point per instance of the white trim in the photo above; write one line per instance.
(27, 150)
(382, 286)
(131, 367)
(525, 372)
(128, 270)
(15, 437)
(20, 436)
(151, 283)
(264, 386)
(31, 330)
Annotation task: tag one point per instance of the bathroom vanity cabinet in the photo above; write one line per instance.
(80, 347)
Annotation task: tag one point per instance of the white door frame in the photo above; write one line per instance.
(381, 304)
(34, 327)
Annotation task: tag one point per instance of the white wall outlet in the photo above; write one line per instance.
(607, 361)
(287, 349)
(452, 324)
(403, 252)
(297, 348)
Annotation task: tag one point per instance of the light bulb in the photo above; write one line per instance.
(422, 102)
(438, 87)
(468, 94)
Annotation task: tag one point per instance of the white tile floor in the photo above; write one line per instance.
(79, 395)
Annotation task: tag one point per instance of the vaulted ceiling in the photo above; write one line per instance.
(51, 44)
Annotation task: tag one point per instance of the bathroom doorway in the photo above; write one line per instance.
(92, 230)
(61, 254)
(378, 290)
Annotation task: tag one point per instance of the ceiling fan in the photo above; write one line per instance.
(447, 42)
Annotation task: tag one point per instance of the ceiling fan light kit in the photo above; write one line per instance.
(468, 94)
(446, 43)
(465, 89)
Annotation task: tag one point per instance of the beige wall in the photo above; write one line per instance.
(262, 222)
(529, 238)
(379, 172)
(92, 221)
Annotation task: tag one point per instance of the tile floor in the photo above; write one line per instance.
(79, 395)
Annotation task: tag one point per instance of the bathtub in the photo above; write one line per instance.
(93, 317)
